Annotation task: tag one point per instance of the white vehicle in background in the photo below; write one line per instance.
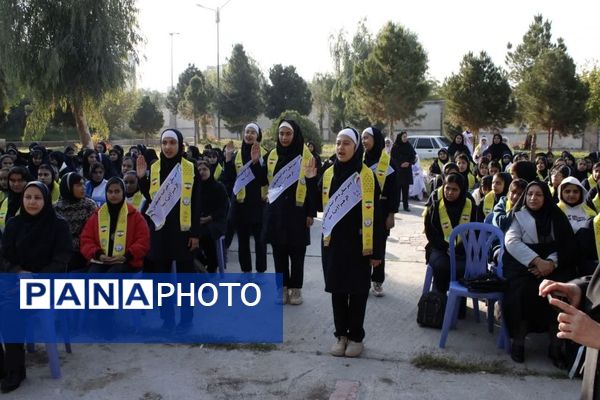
(427, 146)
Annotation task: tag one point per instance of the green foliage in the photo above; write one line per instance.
(176, 94)
(72, 50)
(479, 96)
(196, 101)
(321, 88)
(310, 132)
(391, 83)
(147, 119)
(592, 79)
(117, 108)
(288, 91)
(239, 100)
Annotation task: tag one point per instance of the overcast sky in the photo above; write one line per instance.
(297, 32)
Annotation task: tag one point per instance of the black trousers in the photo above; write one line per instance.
(378, 273)
(286, 256)
(12, 357)
(244, 231)
(167, 312)
(440, 262)
(209, 248)
(349, 315)
(404, 195)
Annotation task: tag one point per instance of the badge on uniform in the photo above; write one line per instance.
(186, 201)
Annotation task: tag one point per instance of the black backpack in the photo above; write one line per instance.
(431, 309)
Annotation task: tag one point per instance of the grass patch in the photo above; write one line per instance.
(457, 366)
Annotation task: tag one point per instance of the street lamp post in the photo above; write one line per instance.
(173, 121)
(217, 12)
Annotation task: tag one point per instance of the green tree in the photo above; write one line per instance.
(287, 91)
(175, 95)
(321, 88)
(552, 97)
(391, 83)
(239, 100)
(592, 79)
(310, 132)
(147, 119)
(479, 95)
(117, 108)
(70, 51)
(195, 103)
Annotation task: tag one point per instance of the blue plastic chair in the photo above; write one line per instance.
(477, 239)
(489, 218)
(221, 254)
(47, 323)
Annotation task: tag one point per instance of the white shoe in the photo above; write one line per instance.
(283, 295)
(339, 348)
(377, 289)
(353, 349)
(295, 296)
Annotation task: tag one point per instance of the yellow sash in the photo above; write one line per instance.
(540, 177)
(3, 196)
(488, 202)
(382, 168)
(238, 166)
(120, 237)
(588, 211)
(3, 212)
(471, 179)
(597, 234)
(301, 185)
(465, 217)
(55, 192)
(508, 205)
(137, 200)
(218, 171)
(551, 189)
(367, 186)
(591, 181)
(185, 202)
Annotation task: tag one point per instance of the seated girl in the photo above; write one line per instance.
(464, 168)
(500, 184)
(485, 186)
(121, 247)
(95, 188)
(502, 215)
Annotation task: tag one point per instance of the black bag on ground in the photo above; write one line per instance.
(430, 310)
(488, 282)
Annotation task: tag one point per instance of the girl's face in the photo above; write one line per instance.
(458, 139)
(451, 191)
(462, 165)
(596, 173)
(169, 146)
(493, 170)
(540, 165)
(91, 159)
(78, 190)
(443, 156)
(497, 185)
(114, 156)
(286, 136)
(514, 194)
(571, 194)
(368, 141)
(204, 172)
(97, 174)
(344, 148)
(7, 162)
(483, 169)
(250, 136)
(131, 183)
(311, 147)
(404, 137)
(33, 200)
(535, 198)
(16, 183)
(569, 162)
(114, 193)
(497, 140)
(556, 178)
(45, 176)
(4, 180)
(37, 160)
(126, 166)
(581, 165)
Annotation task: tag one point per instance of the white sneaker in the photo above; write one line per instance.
(295, 296)
(353, 349)
(339, 348)
(283, 295)
(377, 289)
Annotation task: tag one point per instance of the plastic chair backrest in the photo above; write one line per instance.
(477, 239)
(489, 218)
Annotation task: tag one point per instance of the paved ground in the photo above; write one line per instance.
(301, 367)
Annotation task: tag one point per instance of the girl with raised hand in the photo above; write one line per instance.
(352, 241)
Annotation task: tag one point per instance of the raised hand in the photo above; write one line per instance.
(310, 170)
(141, 167)
(255, 152)
(229, 149)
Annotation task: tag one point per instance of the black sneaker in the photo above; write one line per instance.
(12, 380)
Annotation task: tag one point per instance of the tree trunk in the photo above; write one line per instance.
(321, 117)
(475, 138)
(82, 126)
(551, 143)
(533, 144)
(391, 122)
(196, 132)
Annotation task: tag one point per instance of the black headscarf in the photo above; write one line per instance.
(373, 156)
(194, 153)
(507, 178)
(48, 167)
(15, 199)
(343, 170)
(287, 154)
(85, 165)
(116, 165)
(66, 186)
(496, 151)
(167, 164)
(545, 215)
(525, 170)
